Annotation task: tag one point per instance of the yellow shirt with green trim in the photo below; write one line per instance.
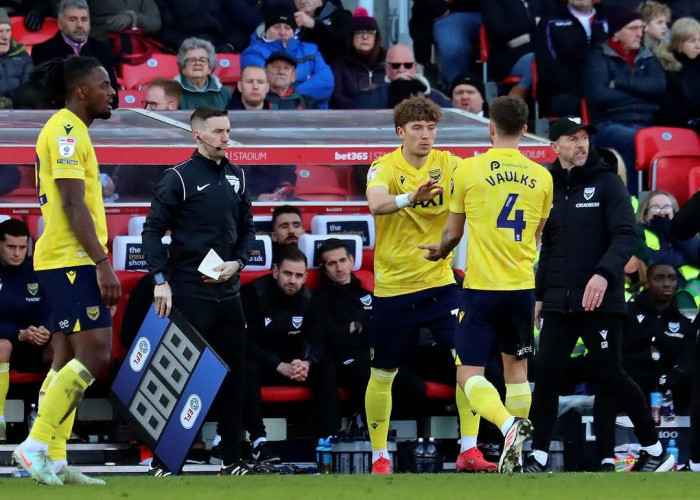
(64, 151)
(399, 266)
(504, 196)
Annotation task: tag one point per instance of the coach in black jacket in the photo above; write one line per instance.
(204, 203)
(284, 347)
(588, 238)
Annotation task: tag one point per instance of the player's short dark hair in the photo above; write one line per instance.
(13, 227)
(415, 109)
(203, 113)
(61, 76)
(654, 265)
(284, 209)
(170, 87)
(333, 244)
(509, 115)
(290, 253)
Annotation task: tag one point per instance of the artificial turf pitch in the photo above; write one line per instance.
(622, 486)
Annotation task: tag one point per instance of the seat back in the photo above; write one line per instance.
(228, 68)
(29, 38)
(131, 98)
(671, 171)
(135, 76)
(321, 182)
(650, 141)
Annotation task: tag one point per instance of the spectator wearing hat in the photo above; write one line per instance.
(314, 77)
(196, 60)
(325, 23)
(624, 84)
(468, 94)
(564, 37)
(15, 63)
(360, 77)
(281, 73)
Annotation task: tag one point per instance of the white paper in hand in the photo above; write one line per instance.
(211, 260)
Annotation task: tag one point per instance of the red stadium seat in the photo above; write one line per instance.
(693, 181)
(484, 54)
(29, 38)
(285, 394)
(132, 98)
(228, 68)
(26, 378)
(650, 141)
(670, 171)
(435, 390)
(135, 76)
(320, 182)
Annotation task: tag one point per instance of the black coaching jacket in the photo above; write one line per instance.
(590, 230)
(205, 206)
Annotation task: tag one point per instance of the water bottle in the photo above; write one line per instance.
(672, 449)
(420, 448)
(319, 456)
(31, 417)
(431, 450)
(668, 412)
(655, 403)
(326, 457)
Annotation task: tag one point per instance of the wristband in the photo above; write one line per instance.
(101, 260)
(402, 201)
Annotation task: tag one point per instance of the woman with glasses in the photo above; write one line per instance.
(654, 216)
(360, 76)
(197, 60)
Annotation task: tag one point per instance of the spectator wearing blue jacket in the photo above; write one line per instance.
(624, 84)
(314, 77)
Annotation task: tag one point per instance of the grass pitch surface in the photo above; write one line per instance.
(620, 486)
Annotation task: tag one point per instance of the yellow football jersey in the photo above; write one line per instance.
(399, 267)
(64, 151)
(504, 196)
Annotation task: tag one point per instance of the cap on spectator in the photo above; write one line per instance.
(278, 15)
(618, 19)
(466, 79)
(280, 55)
(360, 23)
(568, 125)
(4, 18)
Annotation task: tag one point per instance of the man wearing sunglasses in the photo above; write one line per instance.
(401, 67)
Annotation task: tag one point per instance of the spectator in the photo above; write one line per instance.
(73, 39)
(680, 60)
(654, 217)
(400, 64)
(324, 23)
(360, 76)
(624, 84)
(283, 349)
(251, 90)
(468, 94)
(15, 63)
(452, 26)
(281, 74)
(344, 312)
(657, 17)
(24, 315)
(115, 16)
(162, 94)
(563, 39)
(183, 19)
(196, 60)
(510, 25)
(313, 76)
(658, 341)
(244, 16)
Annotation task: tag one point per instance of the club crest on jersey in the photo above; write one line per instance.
(93, 312)
(366, 300)
(33, 288)
(435, 174)
(297, 321)
(673, 327)
(66, 146)
(234, 181)
(588, 193)
(371, 174)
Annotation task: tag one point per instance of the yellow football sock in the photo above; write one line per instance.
(57, 445)
(62, 398)
(484, 398)
(378, 406)
(468, 417)
(518, 399)
(4, 385)
(45, 385)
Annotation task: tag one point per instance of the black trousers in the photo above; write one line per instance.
(321, 380)
(614, 389)
(222, 325)
(695, 407)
